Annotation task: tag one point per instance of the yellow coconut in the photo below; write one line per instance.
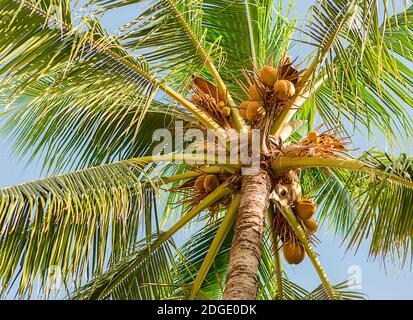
(294, 253)
(211, 182)
(311, 225)
(255, 111)
(305, 208)
(221, 104)
(284, 89)
(254, 93)
(268, 75)
(243, 108)
(313, 137)
(226, 111)
(199, 184)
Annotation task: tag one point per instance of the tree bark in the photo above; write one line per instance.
(245, 255)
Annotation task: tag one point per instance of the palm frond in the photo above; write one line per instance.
(170, 32)
(359, 53)
(342, 292)
(370, 207)
(384, 215)
(152, 278)
(115, 283)
(76, 221)
(52, 77)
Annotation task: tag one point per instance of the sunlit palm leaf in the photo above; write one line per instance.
(368, 207)
(150, 279)
(367, 82)
(342, 291)
(75, 221)
(87, 105)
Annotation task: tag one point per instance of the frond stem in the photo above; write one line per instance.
(292, 220)
(216, 244)
(277, 260)
(210, 199)
(239, 122)
(283, 164)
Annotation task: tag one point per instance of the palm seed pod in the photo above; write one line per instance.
(199, 184)
(268, 75)
(211, 182)
(313, 137)
(311, 225)
(293, 252)
(221, 104)
(255, 111)
(226, 111)
(254, 93)
(243, 108)
(284, 89)
(305, 208)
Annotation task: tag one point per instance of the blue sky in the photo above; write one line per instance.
(376, 282)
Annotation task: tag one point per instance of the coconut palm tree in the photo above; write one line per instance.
(112, 212)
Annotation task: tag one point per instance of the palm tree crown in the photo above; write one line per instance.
(93, 104)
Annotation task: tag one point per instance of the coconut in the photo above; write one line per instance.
(255, 111)
(313, 137)
(305, 208)
(311, 225)
(221, 104)
(211, 182)
(199, 184)
(243, 108)
(226, 111)
(268, 75)
(254, 93)
(293, 252)
(284, 89)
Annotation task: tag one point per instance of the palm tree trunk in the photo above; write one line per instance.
(242, 278)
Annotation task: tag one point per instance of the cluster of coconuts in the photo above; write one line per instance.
(206, 98)
(225, 110)
(304, 209)
(326, 140)
(253, 109)
(206, 183)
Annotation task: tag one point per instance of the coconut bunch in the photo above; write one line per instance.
(288, 193)
(208, 99)
(205, 184)
(270, 89)
(318, 145)
(292, 248)
(198, 188)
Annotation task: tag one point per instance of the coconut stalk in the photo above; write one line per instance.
(245, 255)
(287, 114)
(283, 164)
(193, 174)
(292, 220)
(277, 260)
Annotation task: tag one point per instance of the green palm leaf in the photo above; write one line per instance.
(368, 207)
(75, 221)
(367, 78)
